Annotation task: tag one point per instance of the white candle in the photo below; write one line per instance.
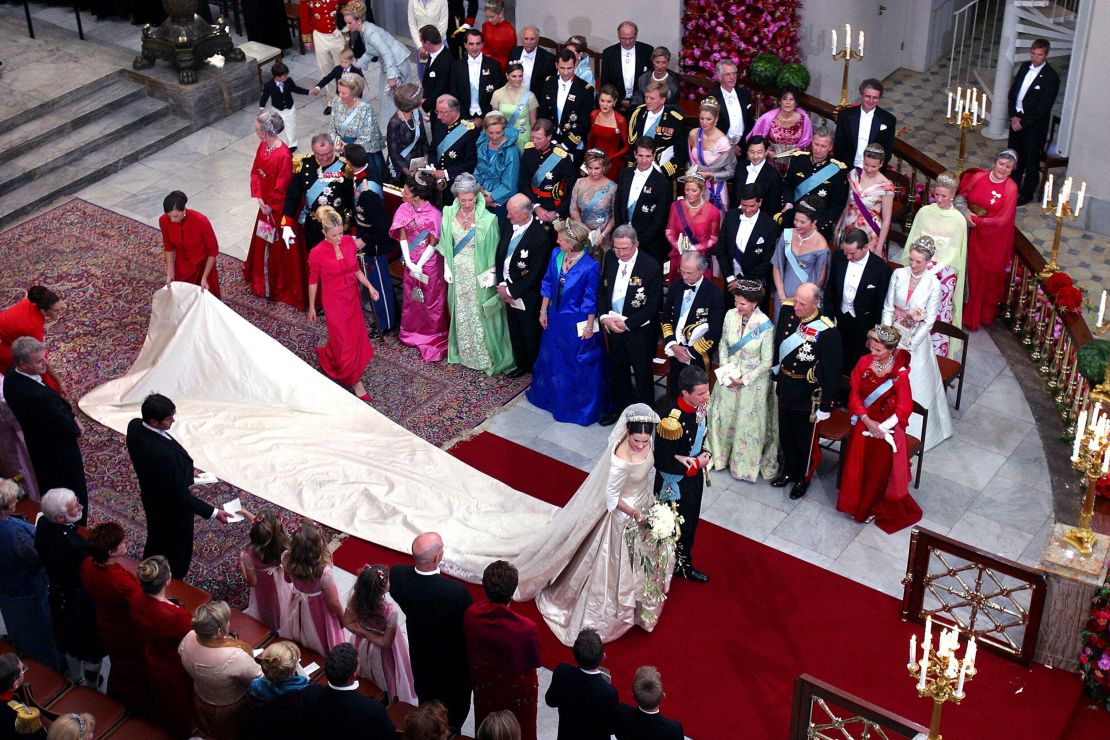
(861, 43)
(949, 114)
(983, 115)
(923, 671)
(959, 106)
(963, 673)
(1106, 461)
(952, 667)
(913, 649)
(974, 98)
(1079, 428)
(1082, 193)
(928, 634)
(1101, 310)
(974, 115)
(1060, 203)
(972, 647)
(847, 37)
(967, 103)
(1047, 192)
(834, 42)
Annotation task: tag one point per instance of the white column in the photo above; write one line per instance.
(999, 127)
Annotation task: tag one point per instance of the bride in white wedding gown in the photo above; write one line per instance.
(590, 565)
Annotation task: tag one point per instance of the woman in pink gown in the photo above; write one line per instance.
(711, 151)
(271, 595)
(787, 127)
(316, 616)
(870, 201)
(378, 626)
(694, 218)
(273, 268)
(333, 263)
(988, 200)
(425, 322)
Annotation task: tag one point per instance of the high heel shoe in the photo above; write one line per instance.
(365, 397)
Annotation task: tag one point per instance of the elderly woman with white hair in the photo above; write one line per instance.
(353, 122)
(912, 305)
(23, 589)
(62, 551)
(222, 668)
(273, 269)
(479, 335)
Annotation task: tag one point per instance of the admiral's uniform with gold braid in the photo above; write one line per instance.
(671, 147)
(20, 720)
(693, 317)
(681, 432)
(455, 152)
(313, 186)
(547, 177)
(808, 358)
(827, 179)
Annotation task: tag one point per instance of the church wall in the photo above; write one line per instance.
(597, 21)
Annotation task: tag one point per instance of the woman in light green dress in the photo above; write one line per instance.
(743, 421)
(479, 336)
(947, 227)
(516, 103)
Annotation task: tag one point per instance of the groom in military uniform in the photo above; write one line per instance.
(682, 462)
(547, 175)
(808, 361)
(319, 179)
(818, 173)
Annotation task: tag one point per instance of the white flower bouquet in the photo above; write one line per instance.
(663, 523)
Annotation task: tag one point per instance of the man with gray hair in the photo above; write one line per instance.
(539, 64)
(736, 118)
(692, 320)
(50, 428)
(520, 262)
(817, 172)
(627, 302)
(624, 62)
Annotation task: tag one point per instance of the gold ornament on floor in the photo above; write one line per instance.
(939, 673)
(970, 114)
(847, 56)
(1061, 207)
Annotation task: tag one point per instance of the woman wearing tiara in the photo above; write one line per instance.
(694, 224)
(912, 305)
(711, 152)
(591, 200)
(801, 254)
(875, 485)
(870, 200)
(425, 323)
(597, 565)
(517, 104)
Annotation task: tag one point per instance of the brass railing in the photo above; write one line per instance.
(823, 712)
(996, 600)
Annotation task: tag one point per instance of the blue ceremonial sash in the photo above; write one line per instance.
(520, 108)
(348, 139)
(699, 437)
(550, 162)
(597, 195)
(739, 345)
(415, 134)
(451, 139)
(794, 341)
(670, 491)
(685, 224)
(466, 239)
(874, 395)
(814, 180)
(650, 131)
(317, 188)
(511, 249)
(791, 258)
(372, 185)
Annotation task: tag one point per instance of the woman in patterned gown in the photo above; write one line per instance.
(353, 122)
(787, 127)
(416, 224)
(609, 131)
(479, 336)
(801, 254)
(743, 423)
(378, 626)
(593, 549)
(711, 151)
(694, 224)
(870, 201)
(516, 103)
(316, 617)
(591, 200)
(946, 226)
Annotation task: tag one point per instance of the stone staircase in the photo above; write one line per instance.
(66, 143)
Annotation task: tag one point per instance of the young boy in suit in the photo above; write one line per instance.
(279, 91)
(346, 64)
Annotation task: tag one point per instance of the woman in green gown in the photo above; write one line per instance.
(479, 336)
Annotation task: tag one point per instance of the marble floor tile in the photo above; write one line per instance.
(138, 178)
(518, 424)
(1005, 396)
(572, 436)
(819, 528)
(987, 534)
(872, 567)
(742, 515)
(963, 463)
(802, 553)
(209, 141)
(761, 491)
(971, 393)
(1031, 555)
(549, 448)
(982, 366)
(1014, 504)
(991, 430)
(943, 501)
(897, 544)
(103, 195)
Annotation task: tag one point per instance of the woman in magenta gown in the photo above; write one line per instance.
(333, 265)
(425, 322)
(988, 200)
(260, 564)
(274, 269)
(694, 218)
(875, 485)
(787, 127)
(316, 617)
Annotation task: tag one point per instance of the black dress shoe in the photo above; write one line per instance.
(516, 373)
(609, 419)
(780, 480)
(799, 490)
(327, 111)
(690, 573)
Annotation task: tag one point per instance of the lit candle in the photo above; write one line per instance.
(834, 42)
(949, 114)
(913, 649)
(848, 37)
(1101, 310)
(1047, 192)
(1079, 434)
(967, 104)
(1106, 461)
(972, 647)
(861, 43)
(924, 669)
(928, 634)
(983, 115)
(1082, 193)
(963, 673)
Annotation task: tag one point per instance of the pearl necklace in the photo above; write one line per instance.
(693, 207)
(804, 239)
(996, 182)
(410, 121)
(466, 220)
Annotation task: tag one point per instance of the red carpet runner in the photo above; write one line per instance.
(729, 651)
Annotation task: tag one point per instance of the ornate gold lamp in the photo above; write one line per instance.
(967, 118)
(940, 674)
(847, 56)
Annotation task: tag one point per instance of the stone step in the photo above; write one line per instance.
(51, 158)
(85, 168)
(50, 122)
(60, 103)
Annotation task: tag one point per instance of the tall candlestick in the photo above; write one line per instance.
(834, 42)
(848, 37)
(1101, 310)
(924, 670)
(1060, 201)
(1106, 461)
(928, 633)
(1082, 193)
(963, 674)
(913, 649)
(983, 115)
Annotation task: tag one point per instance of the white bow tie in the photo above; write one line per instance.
(749, 220)
(754, 167)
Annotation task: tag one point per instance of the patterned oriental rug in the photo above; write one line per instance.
(106, 266)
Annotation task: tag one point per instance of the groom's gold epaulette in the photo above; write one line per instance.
(670, 428)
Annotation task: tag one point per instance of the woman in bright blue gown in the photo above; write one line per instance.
(569, 377)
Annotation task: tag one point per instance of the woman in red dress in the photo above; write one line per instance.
(988, 200)
(875, 485)
(498, 34)
(161, 626)
(28, 319)
(189, 243)
(609, 131)
(332, 264)
(111, 587)
(274, 268)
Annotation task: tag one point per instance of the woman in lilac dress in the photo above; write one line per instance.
(711, 151)
(316, 617)
(271, 595)
(787, 127)
(378, 626)
(425, 323)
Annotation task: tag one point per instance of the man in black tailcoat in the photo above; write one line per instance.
(165, 473)
(692, 319)
(583, 693)
(434, 606)
(736, 117)
(50, 428)
(475, 77)
(854, 294)
(631, 286)
(520, 261)
(539, 64)
(624, 62)
(437, 74)
(643, 201)
(1032, 95)
(747, 241)
(878, 123)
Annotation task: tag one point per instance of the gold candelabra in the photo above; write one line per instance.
(847, 56)
(1091, 457)
(970, 114)
(940, 675)
(1061, 208)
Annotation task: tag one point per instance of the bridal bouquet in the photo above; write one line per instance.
(653, 547)
(663, 522)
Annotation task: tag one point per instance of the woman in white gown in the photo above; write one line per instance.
(912, 305)
(590, 567)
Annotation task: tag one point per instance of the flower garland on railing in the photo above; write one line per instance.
(1094, 661)
(729, 29)
(1063, 291)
